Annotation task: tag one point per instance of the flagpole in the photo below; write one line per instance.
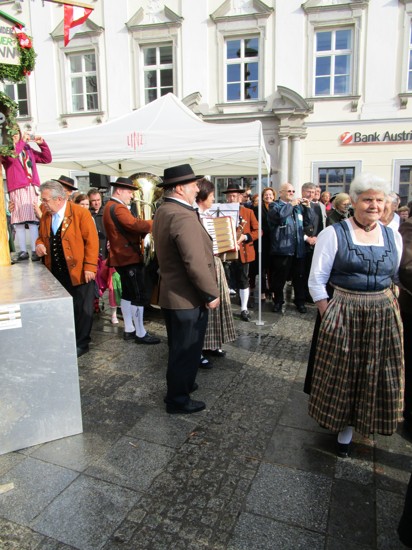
(71, 3)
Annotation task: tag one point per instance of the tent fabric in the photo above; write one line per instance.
(164, 133)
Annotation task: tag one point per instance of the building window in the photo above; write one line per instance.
(333, 62)
(19, 94)
(158, 71)
(405, 184)
(83, 82)
(242, 69)
(336, 180)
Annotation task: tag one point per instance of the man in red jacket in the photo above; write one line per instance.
(125, 233)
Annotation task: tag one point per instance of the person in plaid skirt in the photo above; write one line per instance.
(358, 366)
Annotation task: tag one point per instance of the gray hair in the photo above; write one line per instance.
(308, 185)
(365, 182)
(394, 197)
(56, 189)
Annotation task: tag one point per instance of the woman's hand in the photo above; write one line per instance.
(322, 305)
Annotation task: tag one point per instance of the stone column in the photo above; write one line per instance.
(283, 159)
(295, 169)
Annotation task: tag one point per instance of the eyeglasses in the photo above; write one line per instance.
(289, 191)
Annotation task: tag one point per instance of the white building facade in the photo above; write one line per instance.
(330, 80)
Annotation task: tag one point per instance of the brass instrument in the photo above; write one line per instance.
(239, 231)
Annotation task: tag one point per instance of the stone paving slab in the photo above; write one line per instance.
(251, 471)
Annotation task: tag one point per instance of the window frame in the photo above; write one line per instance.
(334, 17)
(242, 61)
(157, 45)
(316, 166)
(69, 93)
(332, 54)
(27, 99)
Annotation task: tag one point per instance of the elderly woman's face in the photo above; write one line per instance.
(369, 206)
(343, 206)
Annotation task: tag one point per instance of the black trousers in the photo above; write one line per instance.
(407, 346)
(282, 269)
(83, 308)
(185, 333)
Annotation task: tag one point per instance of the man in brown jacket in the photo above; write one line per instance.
(125, 234)
(69, 244)
(248, 232)
(188, 285)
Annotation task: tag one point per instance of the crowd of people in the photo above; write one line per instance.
(349, 254)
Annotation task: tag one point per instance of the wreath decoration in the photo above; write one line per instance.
(17, 73)
(8, 124)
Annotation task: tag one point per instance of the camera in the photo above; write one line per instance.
(32, 137)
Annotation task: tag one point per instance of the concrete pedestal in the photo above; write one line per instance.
(39, 395)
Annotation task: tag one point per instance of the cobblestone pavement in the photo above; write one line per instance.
(252, 471)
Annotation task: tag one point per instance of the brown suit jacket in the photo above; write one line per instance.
(185, 254)
(405, 268)
(247, 250)
(120, 252)
(79, 240)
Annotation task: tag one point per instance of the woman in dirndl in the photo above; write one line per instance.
(23, 187)
(220, 326)
(357, 356)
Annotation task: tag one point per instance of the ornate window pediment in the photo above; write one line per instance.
(88, 29)
(231, 9)
(313, 6)
(155, 16)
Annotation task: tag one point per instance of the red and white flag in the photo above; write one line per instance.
(73, 17)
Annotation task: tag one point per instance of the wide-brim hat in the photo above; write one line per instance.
(68, 183)
(124, 183)
(233, 188)
(178, 175)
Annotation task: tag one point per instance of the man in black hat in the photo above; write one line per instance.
(68, 185)
(188, 286)
(125, 234)
(247, 233)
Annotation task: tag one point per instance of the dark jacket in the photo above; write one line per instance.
(286, 223)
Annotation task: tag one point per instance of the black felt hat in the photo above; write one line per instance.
(68, 183)
(178, 175)
(125, 183)
(233, 188)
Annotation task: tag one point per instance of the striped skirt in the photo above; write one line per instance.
(23, 200)
(358, 370)
(220, 326)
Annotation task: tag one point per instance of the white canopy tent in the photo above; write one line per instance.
(163, 133)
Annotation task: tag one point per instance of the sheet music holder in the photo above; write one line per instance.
(225, 209)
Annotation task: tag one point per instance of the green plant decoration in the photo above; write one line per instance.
(8, 124)
(17, 73)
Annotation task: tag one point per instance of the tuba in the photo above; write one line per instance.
(146, 197)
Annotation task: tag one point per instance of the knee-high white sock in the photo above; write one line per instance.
(345, 436)
(244, 297)
(126, 308)
(34, 233)
(21, 236)
(138, 320)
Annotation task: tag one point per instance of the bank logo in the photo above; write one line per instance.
(346, 138)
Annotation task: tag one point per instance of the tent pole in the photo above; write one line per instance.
(259, 322)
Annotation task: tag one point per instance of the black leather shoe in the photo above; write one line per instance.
(147, 339)
(343, 450)
(82, 351)
(129, 335)
(301, 308)
(277, 307)
(245, 315)
(205, 363)
(188, 408)
(34, 257)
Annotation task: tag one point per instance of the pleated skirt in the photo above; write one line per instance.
(220, 326)
(358, 370)
(23, 199)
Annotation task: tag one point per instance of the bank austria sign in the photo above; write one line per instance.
(357, 138)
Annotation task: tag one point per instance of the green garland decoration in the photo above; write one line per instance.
(9, 108)
(17, 73)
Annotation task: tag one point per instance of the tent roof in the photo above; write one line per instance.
(163, 133)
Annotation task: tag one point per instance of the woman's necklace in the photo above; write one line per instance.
(366, 228)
